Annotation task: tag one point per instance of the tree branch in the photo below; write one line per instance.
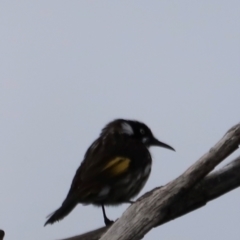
(212, 186)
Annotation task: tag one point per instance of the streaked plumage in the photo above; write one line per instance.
(114, 169)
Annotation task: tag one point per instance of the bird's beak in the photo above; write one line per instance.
(155, 142)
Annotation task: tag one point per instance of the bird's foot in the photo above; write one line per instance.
(108, 222)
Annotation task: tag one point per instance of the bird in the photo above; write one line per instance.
(114, 169)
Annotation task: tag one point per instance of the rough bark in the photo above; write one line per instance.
(211, 187)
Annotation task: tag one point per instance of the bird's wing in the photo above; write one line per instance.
(104, 162)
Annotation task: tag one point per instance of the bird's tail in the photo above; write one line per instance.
(62, 212)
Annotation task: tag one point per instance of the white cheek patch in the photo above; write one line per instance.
(127, 129)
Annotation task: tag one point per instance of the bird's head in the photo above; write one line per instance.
(137, 130)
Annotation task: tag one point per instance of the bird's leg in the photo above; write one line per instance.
(106, 220)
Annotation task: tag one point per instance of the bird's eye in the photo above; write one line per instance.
(142, 131)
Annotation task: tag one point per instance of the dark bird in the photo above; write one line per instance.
(114, 170)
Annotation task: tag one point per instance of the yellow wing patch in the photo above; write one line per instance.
(118, 165)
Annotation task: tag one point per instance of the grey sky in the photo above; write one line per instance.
(69, 67)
